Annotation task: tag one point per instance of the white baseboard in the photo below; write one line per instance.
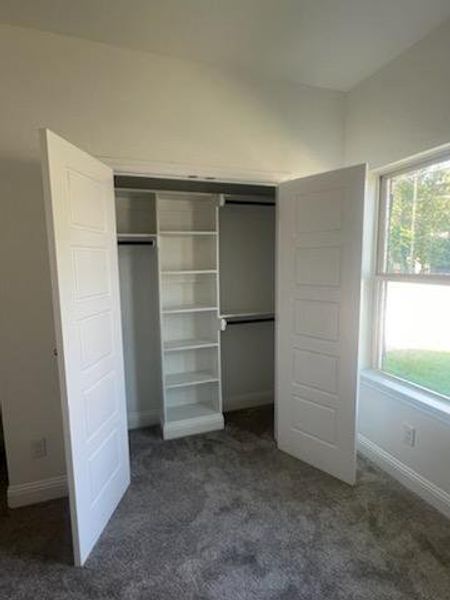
(36, 491)
(146, 418)
(424, 488)
(251, 400)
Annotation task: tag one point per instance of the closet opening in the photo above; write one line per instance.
(197, 278)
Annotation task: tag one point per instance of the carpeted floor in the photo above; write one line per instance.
(227, 516)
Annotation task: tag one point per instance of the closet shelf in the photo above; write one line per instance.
(189, 411)
(177, 380)
(181, 233)
(188, 308)
(188, 344)
(190, 272)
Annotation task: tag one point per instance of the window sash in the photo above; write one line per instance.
(383, 224)
(380, 294)
(415, 278)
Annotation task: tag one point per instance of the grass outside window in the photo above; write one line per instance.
(426, 368)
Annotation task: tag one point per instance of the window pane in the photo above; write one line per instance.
(419, 221)
(417, 334)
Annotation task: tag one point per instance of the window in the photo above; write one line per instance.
(413, 276)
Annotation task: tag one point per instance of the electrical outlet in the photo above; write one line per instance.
(39, 448)
(409, 435)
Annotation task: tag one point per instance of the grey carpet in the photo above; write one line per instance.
(227, 516)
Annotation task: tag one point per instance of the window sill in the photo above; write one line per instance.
(417, 398)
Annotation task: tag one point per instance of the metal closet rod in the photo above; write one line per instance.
(136, 243)
(231, 321)
(229, 200)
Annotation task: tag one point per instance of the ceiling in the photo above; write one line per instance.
(327, 43)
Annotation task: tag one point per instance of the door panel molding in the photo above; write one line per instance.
(79, 202)
(319, 261)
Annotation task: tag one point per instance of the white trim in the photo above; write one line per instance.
(143, 418)
(405, 164)
(383, 190)
(426, 278)
(251, 400)
(186, 427)
(424, 488)
(427, 403)
(37, 491)
(187, 171)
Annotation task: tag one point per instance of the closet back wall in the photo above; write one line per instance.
(129, 105)
(247, 285)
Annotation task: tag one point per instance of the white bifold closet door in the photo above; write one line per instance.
(319, 259)
(79, 194)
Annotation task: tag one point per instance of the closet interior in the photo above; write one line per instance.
(196, 266)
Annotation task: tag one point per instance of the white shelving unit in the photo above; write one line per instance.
(187, 226)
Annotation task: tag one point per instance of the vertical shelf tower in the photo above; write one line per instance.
(188, 259)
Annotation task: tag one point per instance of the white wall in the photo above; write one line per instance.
(401, 111)
(425, 467)
(118, 103)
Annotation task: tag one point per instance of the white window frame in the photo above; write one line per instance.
(382, 277)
